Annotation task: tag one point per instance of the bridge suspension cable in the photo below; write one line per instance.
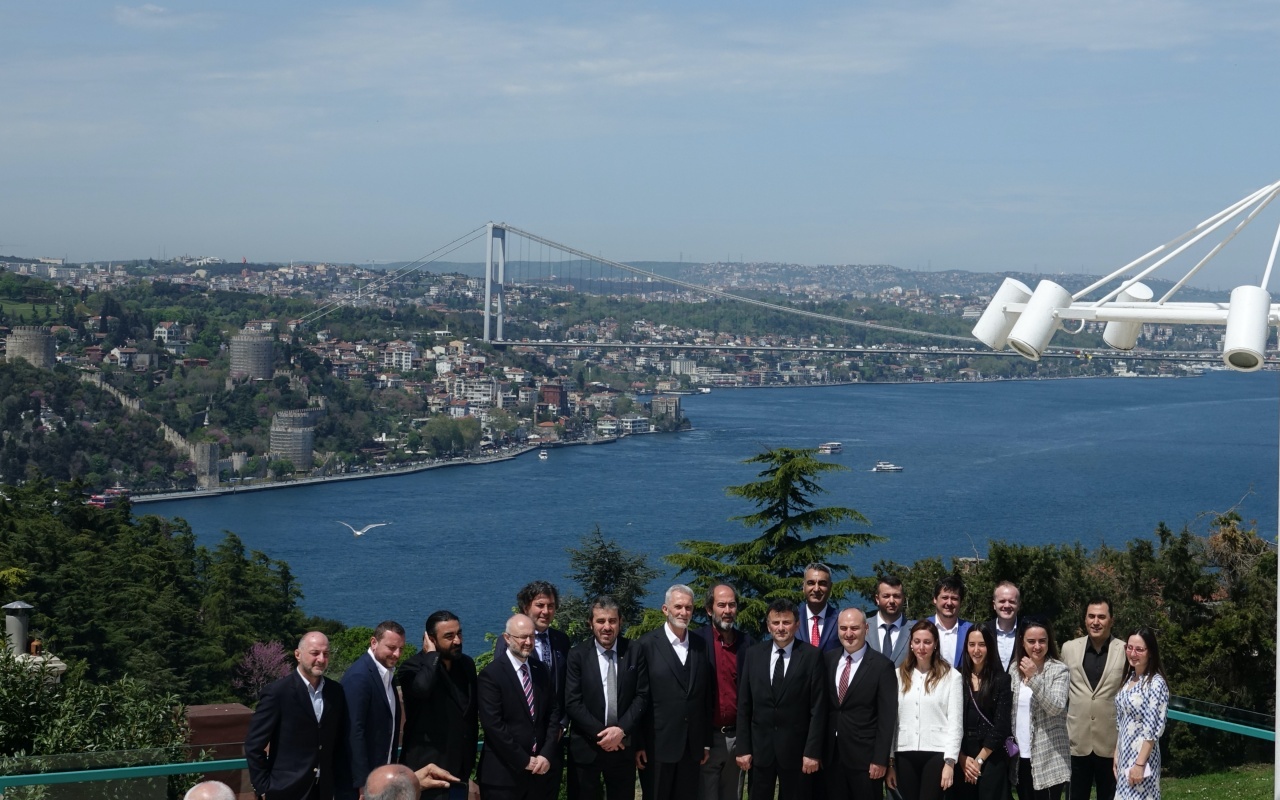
(728, 295)
(393, 276)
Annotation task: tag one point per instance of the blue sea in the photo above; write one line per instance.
(1092, 461)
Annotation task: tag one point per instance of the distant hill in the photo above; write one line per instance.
(845, 278)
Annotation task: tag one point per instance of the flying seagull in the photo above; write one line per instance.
(365, 529)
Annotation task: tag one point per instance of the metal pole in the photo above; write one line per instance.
(1275, 778)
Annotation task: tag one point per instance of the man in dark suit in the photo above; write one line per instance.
(441, 723)
(889, 630)
(1006, 601)
(862, 713)
(296, 745)
(726, 647)
(782, 710)
(539, 601)
(677, 727)
(519, 713)
(606, 688)
(817, 624)
(373, 707)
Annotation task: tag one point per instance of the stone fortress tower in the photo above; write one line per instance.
(293, 436)
(252, 355)
(32, 343)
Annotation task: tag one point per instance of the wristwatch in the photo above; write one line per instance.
(951, 762)
(979, 760)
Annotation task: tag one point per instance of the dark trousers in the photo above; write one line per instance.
(617, 774)
(670, 780)
(993, 783)
(1090, 771)
(792, 783)
(919, 774)
(843, 782)
(536, 787)
(1025, 790)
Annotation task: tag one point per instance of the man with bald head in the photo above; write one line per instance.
(862, 713)
(398, 782)
(210, 790)
(521, 719)
(296, 745)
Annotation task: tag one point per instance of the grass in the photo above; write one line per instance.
(1252, 782)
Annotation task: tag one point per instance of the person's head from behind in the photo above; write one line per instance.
(210, 790)
(392, 782)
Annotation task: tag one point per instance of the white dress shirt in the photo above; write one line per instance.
(786, 657)
(681, 645)
(856, 662)
(603, 663)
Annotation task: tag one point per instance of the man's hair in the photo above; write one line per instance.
(1099, 600)
(530, 592)
(398, 787)
(605, 602)
(950, 582)
(892, 581)
(783, 606)
(210, 790)
(678, 588)
(386, 626)
(436, 618)
(711, 595)
(819, 566)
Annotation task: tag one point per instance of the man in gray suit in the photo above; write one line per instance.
(889, 628)
(1097, 663)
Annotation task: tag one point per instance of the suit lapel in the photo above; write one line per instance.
(673, 661)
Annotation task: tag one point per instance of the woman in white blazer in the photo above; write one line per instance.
(930, 720)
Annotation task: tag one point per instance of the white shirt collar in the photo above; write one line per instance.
(383, 672)
(516, 661)
(857, 654)
(671, 636)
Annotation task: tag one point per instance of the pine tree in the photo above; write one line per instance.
(772, 564)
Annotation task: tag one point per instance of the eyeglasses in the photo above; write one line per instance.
(526, 638)
(1128, 648)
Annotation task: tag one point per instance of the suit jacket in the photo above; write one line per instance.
(285, 744)
(829, 640)
(875, 638)
(1050, 744)
(678, 722)
(860, 729)
(511, 735)
(558, 666)
(584, 699)
(995, 634)
(962, 630)
(441, 722)
(740, 644)
(1091, 712)
(374, 725)
(781, 724)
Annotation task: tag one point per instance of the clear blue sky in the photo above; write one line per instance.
(984, 134)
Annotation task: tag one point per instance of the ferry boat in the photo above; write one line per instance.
(108, 499)
(542, 454)
(885, 466)
(830, 448)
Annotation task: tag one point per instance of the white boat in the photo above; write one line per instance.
(885, 466)
(830, 448)
(542, 454)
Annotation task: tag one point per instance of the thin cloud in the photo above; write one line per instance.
(149, 16)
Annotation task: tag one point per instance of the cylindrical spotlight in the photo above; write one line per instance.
(1124, 335)
(1036, 326)
(994, 325)
(1245, 342)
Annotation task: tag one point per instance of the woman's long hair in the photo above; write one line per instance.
(936, 668)
(1024, 625)
(1154, 667)
(990, 665)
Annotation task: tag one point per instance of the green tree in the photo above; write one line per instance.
(602, 566)
(772, 564)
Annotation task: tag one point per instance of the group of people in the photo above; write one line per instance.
(830, 704)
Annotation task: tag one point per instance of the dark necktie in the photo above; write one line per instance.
(779, 666)
(528, 694)
(844, 679)
(611, 691)
(544, 648)
(887, 647)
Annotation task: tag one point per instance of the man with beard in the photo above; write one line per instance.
(372, 704)
(606, 689)
(440, 719)
(677, 730)
(726, 645)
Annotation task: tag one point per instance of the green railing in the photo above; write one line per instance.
(1223, 718)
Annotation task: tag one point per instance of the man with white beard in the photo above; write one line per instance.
(726, 645)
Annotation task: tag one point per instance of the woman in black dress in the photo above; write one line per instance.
(983, 771)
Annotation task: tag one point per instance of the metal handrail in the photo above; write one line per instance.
(121, 773)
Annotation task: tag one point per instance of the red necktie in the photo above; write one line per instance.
(844, 679)
(815, 635)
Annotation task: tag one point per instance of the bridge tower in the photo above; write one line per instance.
(495, 272)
